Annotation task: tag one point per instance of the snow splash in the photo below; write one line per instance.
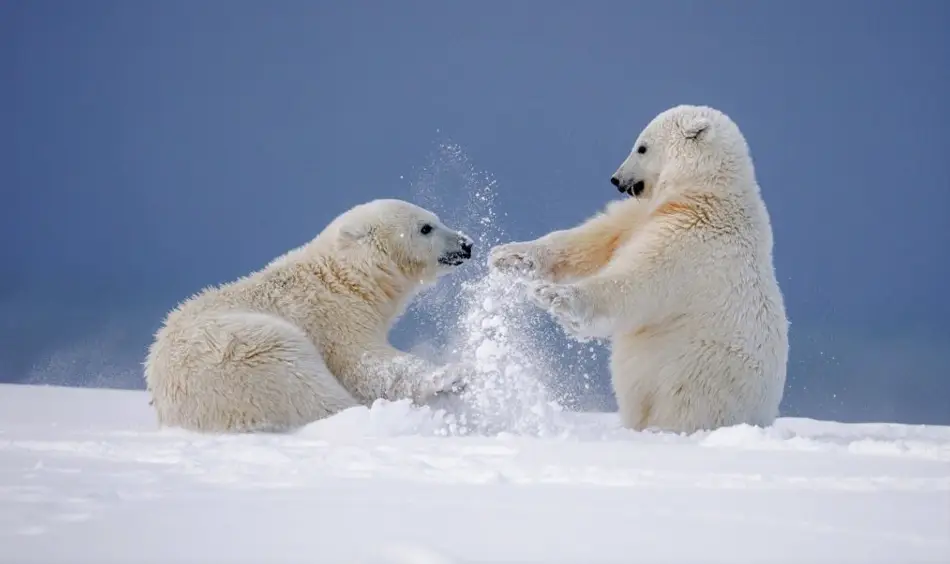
(484, 320)
(508, 392)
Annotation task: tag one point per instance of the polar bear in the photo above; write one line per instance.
(306, 336)
(679, 277)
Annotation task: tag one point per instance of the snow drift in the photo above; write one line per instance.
(85, 477)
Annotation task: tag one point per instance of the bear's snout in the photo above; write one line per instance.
(631, 188)
(456, 257)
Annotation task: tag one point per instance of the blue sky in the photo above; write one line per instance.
(153, 148)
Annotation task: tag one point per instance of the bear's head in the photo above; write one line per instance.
(680, 145)
(403, 238)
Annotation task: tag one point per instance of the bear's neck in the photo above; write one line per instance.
(382, 289)
(730, 177)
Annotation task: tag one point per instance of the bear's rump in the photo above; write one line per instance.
(244, 371)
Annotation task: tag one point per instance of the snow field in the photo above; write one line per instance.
(86, 477)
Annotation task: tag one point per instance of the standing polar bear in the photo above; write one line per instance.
(679, 277)
(306, 336)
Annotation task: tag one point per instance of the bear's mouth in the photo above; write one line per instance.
(454, 258)
(637, 189)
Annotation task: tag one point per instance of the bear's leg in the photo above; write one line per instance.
(630, 292)
(634, 401)
(242, 372)
(384, 372)
(572, 253)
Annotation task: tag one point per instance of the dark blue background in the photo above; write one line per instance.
(152, 148)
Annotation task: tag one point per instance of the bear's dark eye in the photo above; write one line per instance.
(426, 229)
(642, 149)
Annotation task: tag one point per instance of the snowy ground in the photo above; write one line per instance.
(86, 477)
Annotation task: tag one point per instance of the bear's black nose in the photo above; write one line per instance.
(467, 245)
(616, 182)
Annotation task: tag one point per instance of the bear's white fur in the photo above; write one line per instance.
(679, 277)
(306, 336)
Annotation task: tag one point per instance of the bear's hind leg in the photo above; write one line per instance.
(243, 372)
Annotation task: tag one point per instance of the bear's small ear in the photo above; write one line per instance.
(356, 233)
(694, 127)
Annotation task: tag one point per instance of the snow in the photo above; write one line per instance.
(86, 476)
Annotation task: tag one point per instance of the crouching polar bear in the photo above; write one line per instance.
(679, 277)
(306, 336)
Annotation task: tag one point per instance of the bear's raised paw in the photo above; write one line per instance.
(451, 379)
(568, 306)
(515, 259)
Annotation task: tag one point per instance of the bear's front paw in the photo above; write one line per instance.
(515, 259)
(451, 379)
(568, 307)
